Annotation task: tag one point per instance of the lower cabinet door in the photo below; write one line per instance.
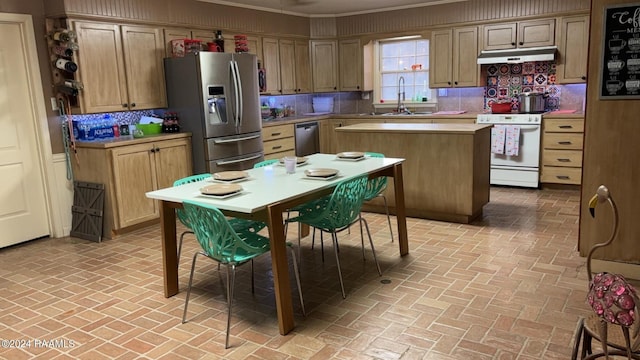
(134, 175)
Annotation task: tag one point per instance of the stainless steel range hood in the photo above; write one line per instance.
(515, 56)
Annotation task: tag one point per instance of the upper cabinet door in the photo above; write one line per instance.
(143, 53)
(441, 59)
(536, 33)
(499, 36)
(271, 64)
(325, 65)
(101, 68)
(287, 66)
(303, 67)
(465, 53)
(573, 46)
(351, 68)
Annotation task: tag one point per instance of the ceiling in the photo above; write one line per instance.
(321, 8)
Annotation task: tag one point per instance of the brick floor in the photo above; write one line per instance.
(510, 286)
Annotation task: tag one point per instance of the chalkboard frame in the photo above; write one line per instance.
(618, 80)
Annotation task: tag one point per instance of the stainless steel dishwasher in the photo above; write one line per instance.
(307, 138)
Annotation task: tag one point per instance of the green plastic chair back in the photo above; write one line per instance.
(218, 238)
(189, 179)
(265, 163)
(336, 211)
(377, 185)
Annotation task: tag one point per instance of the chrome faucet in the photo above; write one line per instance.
(401, 96)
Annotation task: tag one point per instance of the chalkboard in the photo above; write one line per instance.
(620, 67)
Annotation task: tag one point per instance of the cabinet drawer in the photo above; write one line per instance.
(561, 175)
(280, 155)
(279, 145)
(569, 158)
(563, 141)
(564, 125)
(277, 132)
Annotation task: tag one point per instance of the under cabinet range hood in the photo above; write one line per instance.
(515, 56)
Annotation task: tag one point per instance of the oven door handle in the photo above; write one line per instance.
(529, 127)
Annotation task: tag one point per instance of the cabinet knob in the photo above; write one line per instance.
(153, 150)
(513, 44)
(583, 77)
(448, 82)
(125, 105)
(455, 83)
(133, 104)
(358, 87)
(521, 43)
(335, 88)
(157, 149)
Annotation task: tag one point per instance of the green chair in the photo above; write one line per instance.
(265, 163)
(336, 213)
(228, 246)
(236, 224)
(182, 216)
(375, 188)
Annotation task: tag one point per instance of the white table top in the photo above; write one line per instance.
(271, 184)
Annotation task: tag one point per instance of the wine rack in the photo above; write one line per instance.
(63, 48)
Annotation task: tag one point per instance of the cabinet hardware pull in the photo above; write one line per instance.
(455, 83)
(275, 134)
(565, 127)
(133, 104)
(564, 142)
(153, 150)
(521, 43)
(124, 105)
(448, 82)
(563, 177)
(583, 78)
(513, 44)
(276, 147)
(564, 160)
(157, 149)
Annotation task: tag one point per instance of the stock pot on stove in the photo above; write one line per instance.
(532, 102)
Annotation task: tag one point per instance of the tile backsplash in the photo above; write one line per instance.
(507, 81)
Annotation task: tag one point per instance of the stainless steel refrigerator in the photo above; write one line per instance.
(217, 99)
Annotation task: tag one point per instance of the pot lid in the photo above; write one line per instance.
(515, 56)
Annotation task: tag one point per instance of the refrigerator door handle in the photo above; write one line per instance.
(240, 100)
(237, 92)
(223, 162)
(236, 139)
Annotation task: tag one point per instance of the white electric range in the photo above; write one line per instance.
(523, 169)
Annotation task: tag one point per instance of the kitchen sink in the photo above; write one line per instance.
(408, 114)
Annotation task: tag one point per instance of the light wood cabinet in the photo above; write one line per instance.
(324, 60)
(271, 64)
(129, 169)
(279, 141)
(303, 67)
(351, 65)
(328, 135)
(287, 65)
(452, 58)
(562, 143)
(120, 67)
(532, 33)
(573, 43)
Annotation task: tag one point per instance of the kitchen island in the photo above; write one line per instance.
(446, 172)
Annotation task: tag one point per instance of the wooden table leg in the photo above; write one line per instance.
(169, 248)
(280, 268)
(403, 240)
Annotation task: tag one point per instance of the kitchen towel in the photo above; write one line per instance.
(497, 139)
(512, 140)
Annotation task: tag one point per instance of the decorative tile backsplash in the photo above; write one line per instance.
(507, 81)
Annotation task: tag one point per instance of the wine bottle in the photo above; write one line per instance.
(67, 65)
(64, 35)
(67, 90)
(219, 40)
(65, 50)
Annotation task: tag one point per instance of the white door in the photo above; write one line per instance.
(23, 206)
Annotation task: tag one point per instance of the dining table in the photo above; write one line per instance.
(267, 192)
